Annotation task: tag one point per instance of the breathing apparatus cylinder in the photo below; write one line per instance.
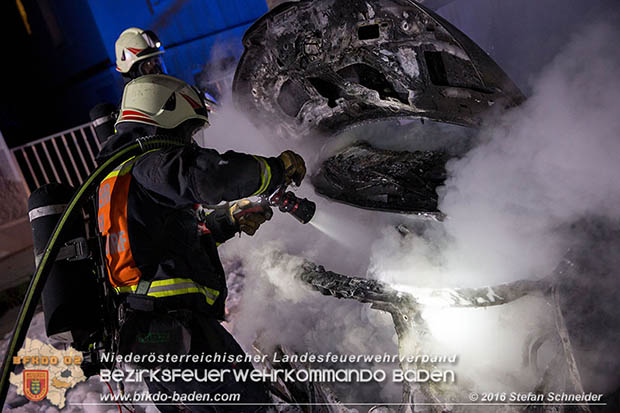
(71, 303)
(103, 117)
(42, 273)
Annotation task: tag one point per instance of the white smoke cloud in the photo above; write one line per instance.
(544, 164)
(532, 170)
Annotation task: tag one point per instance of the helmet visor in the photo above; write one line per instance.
(203, 108)
(152, 66)
(152, 40)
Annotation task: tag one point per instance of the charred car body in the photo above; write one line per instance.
(312, 70)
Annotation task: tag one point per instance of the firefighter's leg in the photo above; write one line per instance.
(209, 337)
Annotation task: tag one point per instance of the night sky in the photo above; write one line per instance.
(56, 73)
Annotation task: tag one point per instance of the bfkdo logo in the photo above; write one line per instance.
(36, 384)
(46, 373)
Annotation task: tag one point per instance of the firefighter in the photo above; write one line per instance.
(167, 275)
(139, 52)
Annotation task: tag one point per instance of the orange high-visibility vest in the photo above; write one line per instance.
(112, 222)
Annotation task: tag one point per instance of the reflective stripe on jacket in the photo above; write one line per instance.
(124, 275)
(174, 286)
(147, 216)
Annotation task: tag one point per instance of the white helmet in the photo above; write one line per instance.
(134, 45)
(162, 101)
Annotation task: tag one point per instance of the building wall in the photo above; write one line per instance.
(52, 73)
(65, 66)
(187, 28)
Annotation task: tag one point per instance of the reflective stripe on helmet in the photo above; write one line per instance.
(161, 100)
(172, 287)
(129, 115)
(134, 45)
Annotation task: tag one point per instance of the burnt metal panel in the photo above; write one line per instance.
(321, 66)
(396, 181)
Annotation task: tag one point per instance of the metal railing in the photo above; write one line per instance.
(69, 156)
(66, 157)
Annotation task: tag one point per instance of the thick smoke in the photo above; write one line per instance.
(549, 162)
(546, 163)
(532, 171)
(535, 170)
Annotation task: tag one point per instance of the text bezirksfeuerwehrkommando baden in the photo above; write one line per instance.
(342, 375)
(220, 375)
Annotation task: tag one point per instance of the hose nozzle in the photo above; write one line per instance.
(301, 209)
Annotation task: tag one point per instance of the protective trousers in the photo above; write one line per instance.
(209, 337)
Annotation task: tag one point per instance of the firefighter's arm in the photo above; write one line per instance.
(192, 174)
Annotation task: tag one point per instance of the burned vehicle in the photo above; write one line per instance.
(315, 69)
(359, 73)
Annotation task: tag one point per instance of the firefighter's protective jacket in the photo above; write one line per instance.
(146, 215)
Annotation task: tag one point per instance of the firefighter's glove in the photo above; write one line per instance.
(294, 167)
(250, 215)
